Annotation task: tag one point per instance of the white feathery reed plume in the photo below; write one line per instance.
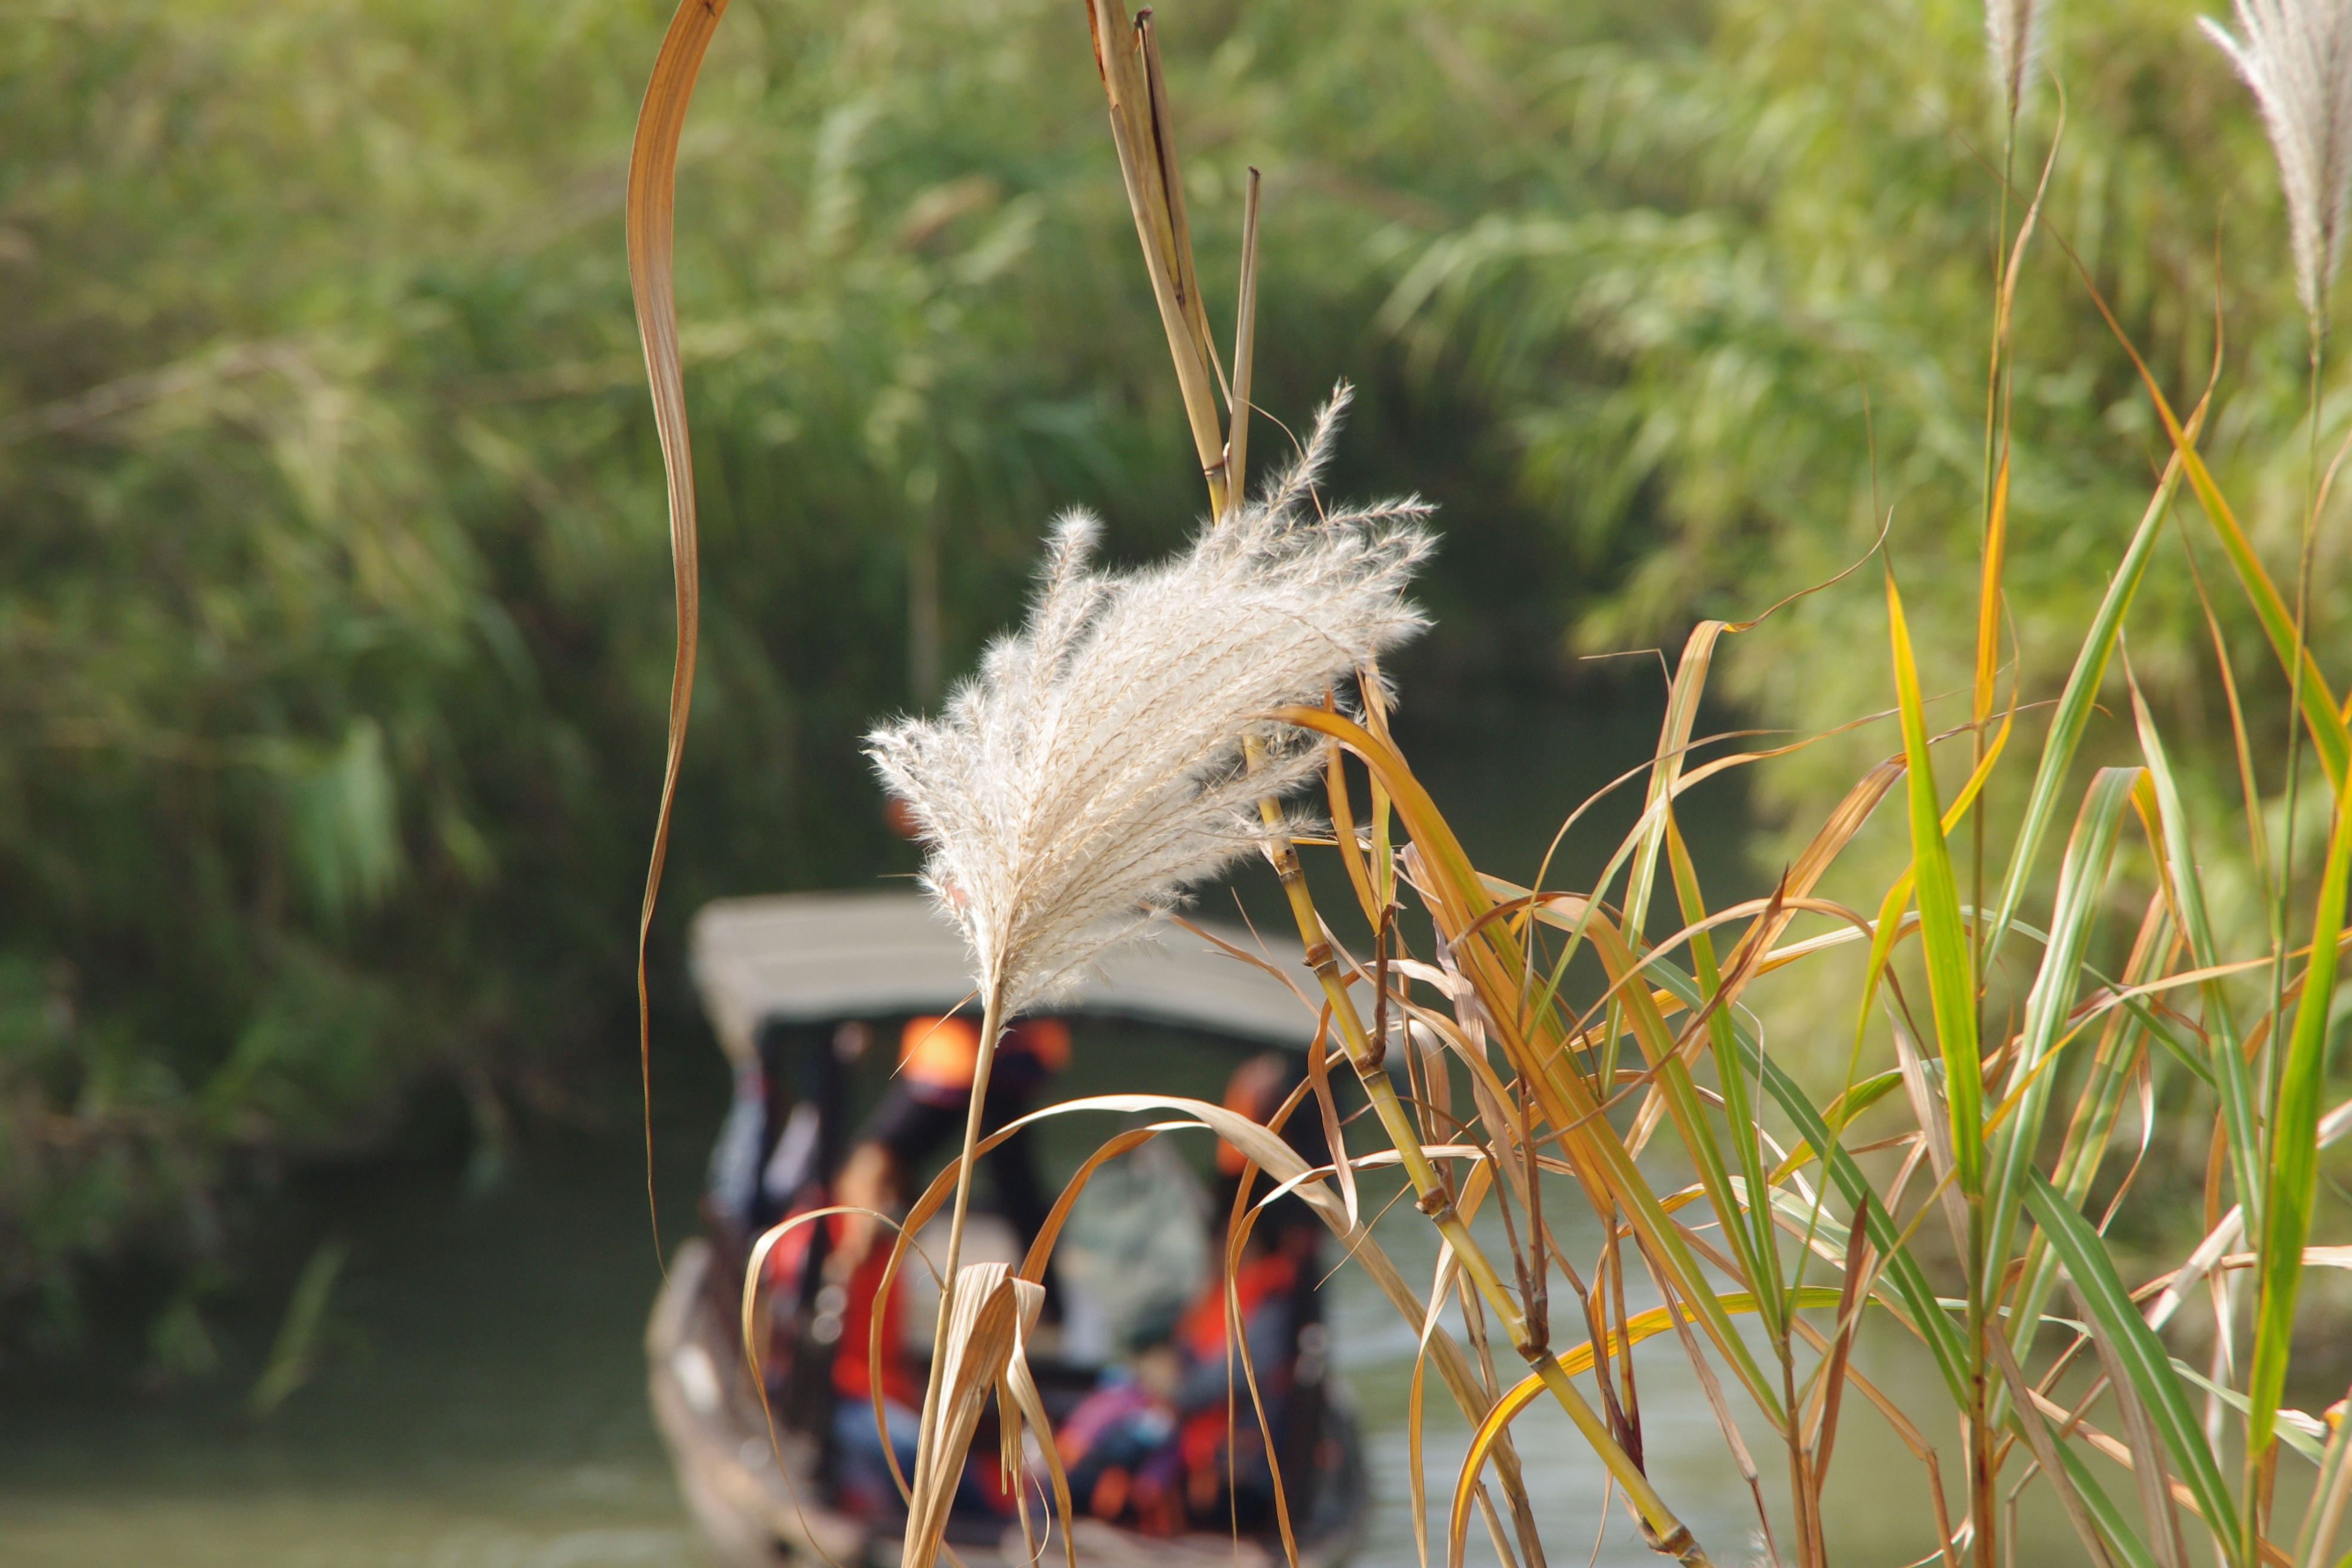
(1094, 767)
(2014, 37)
(2296, 56)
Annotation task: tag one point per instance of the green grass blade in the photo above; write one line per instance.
(2136, 1351)
(1952, 983)
(2082, 889)
(2295, 1437)
(2234, 1082)
(2291, 1181)
(1754, 1244)
(2112, 1523)
(1648, 1027)
(1928, 1317)
(2329, 737)
(1898, 892)
(2076, 703)
(2328, 732)
(2097, 1104)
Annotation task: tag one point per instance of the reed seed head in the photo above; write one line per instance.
(2296, 56)
(2014, 38)
(1094, 767)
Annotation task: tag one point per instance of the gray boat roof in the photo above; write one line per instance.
(817, 957)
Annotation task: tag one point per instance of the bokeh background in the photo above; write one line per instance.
(335, 616)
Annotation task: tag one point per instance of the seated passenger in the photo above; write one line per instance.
(1174, 1443)
(824, 1278)
(924, 1112)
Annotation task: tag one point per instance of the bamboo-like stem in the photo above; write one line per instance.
(1671, 1536)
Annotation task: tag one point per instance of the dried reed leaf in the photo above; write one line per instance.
(647, 218)
(988, 1309)
(1269, 1153)
(1146, 162)
(2048, 1455)
(1459, 903)
(1023, 1402)
(1674, 742)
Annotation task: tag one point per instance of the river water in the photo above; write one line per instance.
(480, 1404)
(478, 1394)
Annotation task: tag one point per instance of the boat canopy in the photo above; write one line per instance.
(814, 957)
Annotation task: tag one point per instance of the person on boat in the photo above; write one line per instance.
(825, 1278)
(1172, 1443)
(924, 1110)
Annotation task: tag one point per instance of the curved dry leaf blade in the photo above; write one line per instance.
(2028, 1419)
(1494, 963)
(1033, 1265)
(1293, 1173)
(1674, 745)
(647, 218)
(1031, 1403)
(754, 1271)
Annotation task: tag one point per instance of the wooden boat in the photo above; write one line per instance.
(822, 958)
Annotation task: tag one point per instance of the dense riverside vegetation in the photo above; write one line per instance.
(333, 639)
(331, 598)
(1804, 267)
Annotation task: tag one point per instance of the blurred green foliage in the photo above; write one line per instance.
(334, 613)
(334, 595)
(1739, 321)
